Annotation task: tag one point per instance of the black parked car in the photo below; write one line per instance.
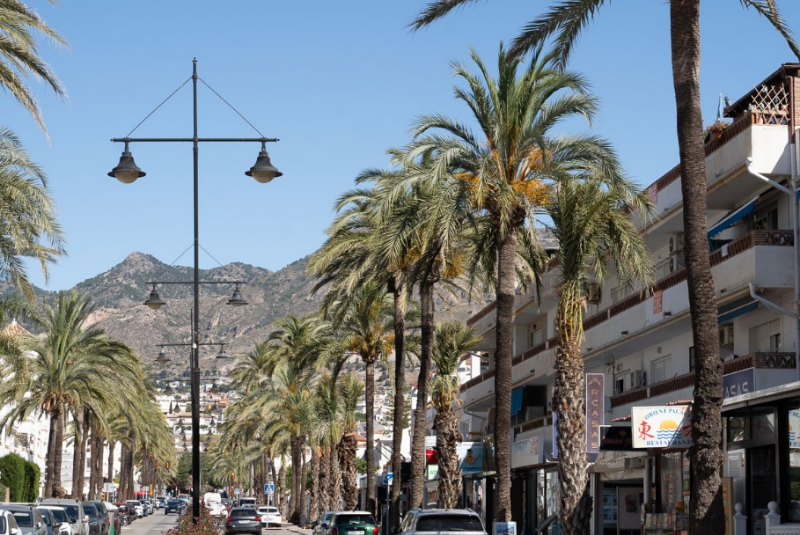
(243, 520)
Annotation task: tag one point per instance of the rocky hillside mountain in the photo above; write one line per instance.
(119, 293)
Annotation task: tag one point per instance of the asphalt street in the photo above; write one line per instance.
(158, 523)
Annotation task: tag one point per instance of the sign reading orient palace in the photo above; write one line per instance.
(662, 427)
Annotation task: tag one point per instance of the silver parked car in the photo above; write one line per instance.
(28, 517)
(78, 521)
(441, 522)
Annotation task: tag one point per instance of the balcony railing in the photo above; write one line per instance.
(771, 360)
(751, 239)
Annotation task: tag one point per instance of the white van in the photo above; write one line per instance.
(247, 501)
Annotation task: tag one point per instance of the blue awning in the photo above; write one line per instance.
(727, 313)
(516, 400)
(732, 218)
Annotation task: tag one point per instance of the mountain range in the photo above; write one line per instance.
(119, 293)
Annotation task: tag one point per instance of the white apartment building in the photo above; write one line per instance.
(639, 343)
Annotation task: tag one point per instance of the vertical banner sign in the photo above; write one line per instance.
(658, 301)
(595, 410)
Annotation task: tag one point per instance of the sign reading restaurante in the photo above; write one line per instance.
(662, 427)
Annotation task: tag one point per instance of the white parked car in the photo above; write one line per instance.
(270, 516)
(217, 509)
(8, 524)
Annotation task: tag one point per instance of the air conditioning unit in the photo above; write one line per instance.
(638, 378)
(593, 293)
(676, 262)
(726, 335)
(676, 243)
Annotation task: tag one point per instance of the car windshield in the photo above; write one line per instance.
(3, 524)
(90, 511)
(24, 518)
(354, 519)
(72, 513)
(243, 513)
(449, 523)
(60, 515)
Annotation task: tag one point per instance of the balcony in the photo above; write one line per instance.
(773, 363)
(733, 267)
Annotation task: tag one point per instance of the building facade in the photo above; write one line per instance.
(638, 345)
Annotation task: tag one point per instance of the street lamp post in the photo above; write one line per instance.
(127, 172)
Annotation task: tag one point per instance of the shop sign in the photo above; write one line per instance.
(526, 452)
(616, 438)
(432, 472)
(471, 455)
(430, 441)
(662, 427)
(595, 410)
(794, 428)
(738, 383)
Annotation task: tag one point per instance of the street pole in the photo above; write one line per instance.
(127, 172)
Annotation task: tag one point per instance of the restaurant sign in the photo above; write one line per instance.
(595, 410)
(662, 427)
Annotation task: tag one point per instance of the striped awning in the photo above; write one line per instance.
(732, 218)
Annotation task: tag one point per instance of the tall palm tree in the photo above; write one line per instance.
(452, 341)
(350, 256)
(365, 319)
(71, 366)
(590, 219)
(21, 60)
(350, 388)
(28, 226)
(566, 20)
(508, 169)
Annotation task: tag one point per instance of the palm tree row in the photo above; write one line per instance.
(73, 372)
(458, 209)
(563, 22)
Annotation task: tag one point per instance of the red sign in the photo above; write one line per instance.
(658, 301)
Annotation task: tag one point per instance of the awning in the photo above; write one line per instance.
(728, 312)
(732, 218)
(516, 400)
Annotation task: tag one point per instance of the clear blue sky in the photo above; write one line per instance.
(338, 83)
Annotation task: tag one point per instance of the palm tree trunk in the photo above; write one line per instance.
(418, 437)
(399, 400)
(282, 486)
(569, 401)
(323, 488)
(369, 395)
(506, 278)
(705, 506)
(111, 446)
(294, 503)
(447, 436)
(57, 490)
(79, 454)
(96, 470)
(52, 444)
(334, 482)
(347, 456)
(303, 493)
(93, 460)
(314, 496)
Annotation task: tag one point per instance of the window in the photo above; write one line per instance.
(622, 381)
(661, 369)
(23, 518)
(535, 336)
(767, 337)
(449, 523)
